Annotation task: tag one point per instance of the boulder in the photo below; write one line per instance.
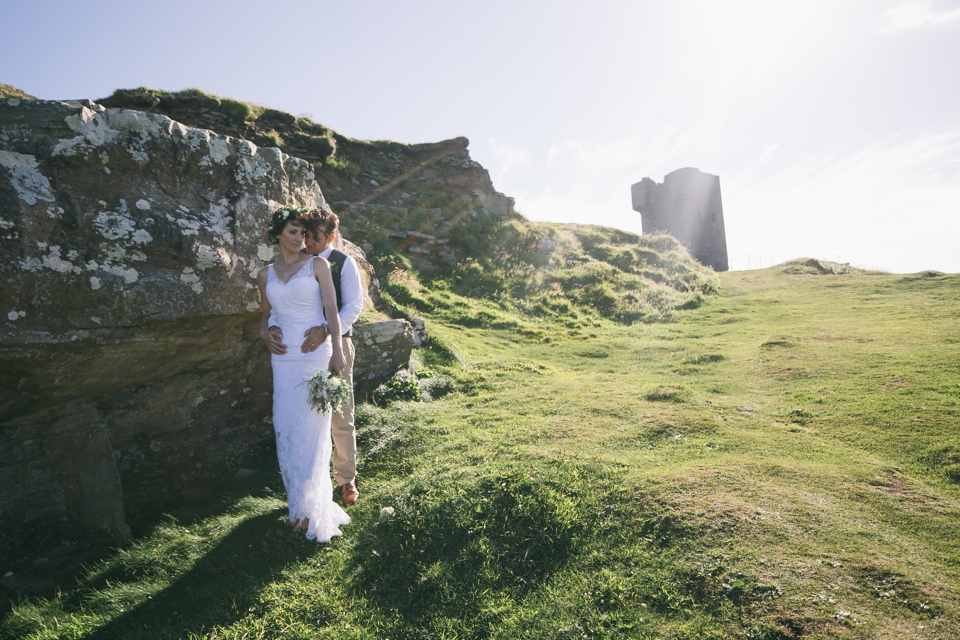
(382, 348)
(131, 373)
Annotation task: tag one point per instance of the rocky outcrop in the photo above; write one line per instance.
(414, 199)
(382, 347)
(420, 195)
(368, 277)
(131, 366)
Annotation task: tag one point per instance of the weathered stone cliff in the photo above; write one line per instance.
(130, 367)
(415, 199)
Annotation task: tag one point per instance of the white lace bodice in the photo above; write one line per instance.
(297, 305)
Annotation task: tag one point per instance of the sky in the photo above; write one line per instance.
(834, 125)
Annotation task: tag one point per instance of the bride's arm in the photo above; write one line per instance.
(269, 338)
(321, 269)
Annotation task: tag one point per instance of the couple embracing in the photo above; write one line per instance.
(311, 293)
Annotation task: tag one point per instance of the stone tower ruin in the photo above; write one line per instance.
(688, 207)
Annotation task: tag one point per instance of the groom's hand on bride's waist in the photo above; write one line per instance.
(313, 338)
(273, 338)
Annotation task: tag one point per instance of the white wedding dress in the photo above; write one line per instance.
(303, 434)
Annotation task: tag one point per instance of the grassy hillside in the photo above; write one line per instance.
(539, 271)
(783, 462)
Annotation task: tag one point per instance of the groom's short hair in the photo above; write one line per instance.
(321, 221)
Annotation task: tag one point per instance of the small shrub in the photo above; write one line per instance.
(271, 138)
(321, 146)
(953, 473)
(812, 266)
(235, 109)
(470, 279)
(693, 302)
(311, 127)
(435, 387)
(596, 353)
(704, 358)
(377, 429)
(402, 386)
(343, 166)
(776, 341)
(385, 259)
(555, 305)
(276, 117)
(665, 394)
(195, 93)
(139, 98)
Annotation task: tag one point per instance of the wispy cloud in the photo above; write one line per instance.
(918, 14)
(893, 204)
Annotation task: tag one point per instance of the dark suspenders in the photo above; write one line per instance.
(336, 260)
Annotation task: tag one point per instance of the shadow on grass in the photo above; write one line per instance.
(460, 557)
(220, 587)
(452, 549)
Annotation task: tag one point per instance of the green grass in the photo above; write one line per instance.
(7, 91)
(589, 273)
(150, 99)
(262, 125)
(779, 463)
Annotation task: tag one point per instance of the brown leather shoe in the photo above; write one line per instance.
(349, 493)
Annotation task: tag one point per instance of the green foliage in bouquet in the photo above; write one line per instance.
(328, 391)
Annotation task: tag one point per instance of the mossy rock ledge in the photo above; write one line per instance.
(131, 373)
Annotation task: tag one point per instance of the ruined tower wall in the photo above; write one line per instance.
(688, 206)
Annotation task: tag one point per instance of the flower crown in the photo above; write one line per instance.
(279, 217)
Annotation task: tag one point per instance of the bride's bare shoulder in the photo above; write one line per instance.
(262, 274)
(320, 265)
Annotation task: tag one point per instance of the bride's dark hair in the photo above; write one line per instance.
(283, 216)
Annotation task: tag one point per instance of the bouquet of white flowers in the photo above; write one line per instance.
(328, 391)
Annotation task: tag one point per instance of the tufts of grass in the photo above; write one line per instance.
(147, 99)
(321, 147)
(270, 138)
(435, 387)
(402, 386)
(665, 394)
(343, 166)
(7, 91)
(812, 266)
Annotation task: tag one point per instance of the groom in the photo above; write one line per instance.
(319, 232)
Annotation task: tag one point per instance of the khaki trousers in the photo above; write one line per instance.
(342, 429)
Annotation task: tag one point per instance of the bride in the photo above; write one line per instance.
(298, 288)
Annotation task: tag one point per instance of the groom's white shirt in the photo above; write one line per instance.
(351, 293)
